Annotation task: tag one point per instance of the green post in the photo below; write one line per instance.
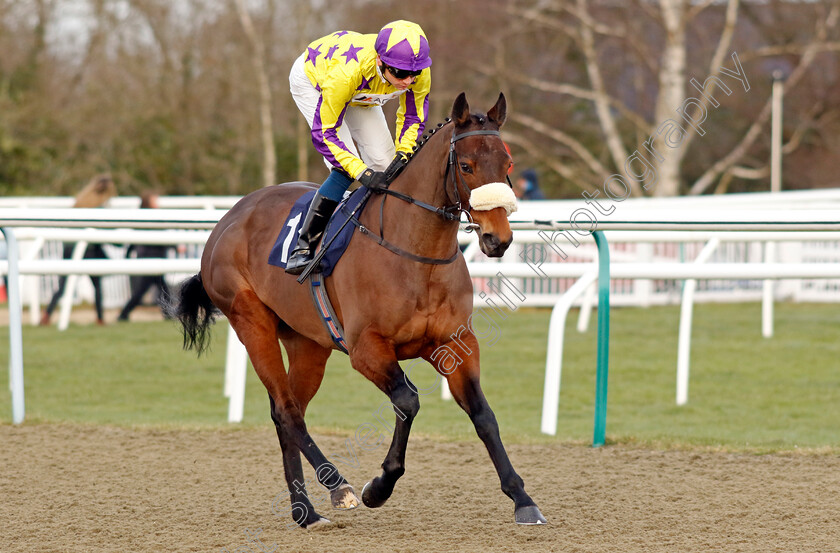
(603, 339)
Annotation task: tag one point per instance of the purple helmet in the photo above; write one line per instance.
(403, 45)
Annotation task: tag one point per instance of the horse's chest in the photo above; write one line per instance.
(427, 324)
(407, 311)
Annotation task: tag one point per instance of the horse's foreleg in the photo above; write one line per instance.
(377, 362)
(406, 405)
(256, 326)
(464, 384)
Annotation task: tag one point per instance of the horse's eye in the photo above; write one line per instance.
(466, 168)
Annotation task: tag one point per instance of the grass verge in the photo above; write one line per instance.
(746, 393)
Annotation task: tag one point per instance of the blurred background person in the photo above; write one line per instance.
(527, 187)
(98, 191)
(142, 284)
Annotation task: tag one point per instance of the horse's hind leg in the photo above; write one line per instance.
(307, 361)
(375, 359)
(257, 328)
(301, 510)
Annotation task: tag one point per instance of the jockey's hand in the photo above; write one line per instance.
(396, 167)
(375, 180)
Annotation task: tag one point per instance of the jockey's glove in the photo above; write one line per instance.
(375, 180)
(396, 166)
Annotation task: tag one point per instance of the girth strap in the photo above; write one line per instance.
(326, 311)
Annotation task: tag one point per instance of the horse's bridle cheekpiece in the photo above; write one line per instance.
(457, 179)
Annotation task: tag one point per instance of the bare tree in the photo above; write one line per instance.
(303, 14)
(727, 165)
(266, 124)
(160, 92)
(653, 39)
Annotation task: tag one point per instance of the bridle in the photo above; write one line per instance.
(457, 209)
(450, 212)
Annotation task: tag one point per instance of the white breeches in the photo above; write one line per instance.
(364, 126)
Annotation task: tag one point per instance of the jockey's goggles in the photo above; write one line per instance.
(402, 73)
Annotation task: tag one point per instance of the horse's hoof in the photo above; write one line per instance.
(320, 522)
(529, 514)
(344, 497)
(367, 497)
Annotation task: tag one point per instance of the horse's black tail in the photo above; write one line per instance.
(195, 310)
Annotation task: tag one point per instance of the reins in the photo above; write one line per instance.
(450, 213)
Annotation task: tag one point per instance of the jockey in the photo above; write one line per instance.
(339, 84)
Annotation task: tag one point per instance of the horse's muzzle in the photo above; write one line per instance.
(492, 246)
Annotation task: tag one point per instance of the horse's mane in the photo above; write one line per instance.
(425, 138)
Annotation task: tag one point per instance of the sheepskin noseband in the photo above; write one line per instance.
(493, 195)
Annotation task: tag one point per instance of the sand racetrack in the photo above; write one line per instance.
(68, 488)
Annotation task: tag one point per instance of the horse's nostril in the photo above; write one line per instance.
(490, 240)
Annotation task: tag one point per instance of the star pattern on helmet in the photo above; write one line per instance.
(330, 52)
(340, 33)
(350, 54)
(313, 54)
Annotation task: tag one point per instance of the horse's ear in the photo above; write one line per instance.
(498, 113)
(461, 110)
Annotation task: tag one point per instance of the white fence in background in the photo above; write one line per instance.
(626, 247)
(120, 202)
(658, 247)
(41, 263)
(649, 266)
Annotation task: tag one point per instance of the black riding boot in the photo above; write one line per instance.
(313, 227)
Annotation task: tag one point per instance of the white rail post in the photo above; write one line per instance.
(554, 355)
(686, 313)
(15, 331)
(767, 293)
(66, 304)
(236, 371)
(586, 307)
(445, 392)
(768, 286)
(30, 283)
(644, 287)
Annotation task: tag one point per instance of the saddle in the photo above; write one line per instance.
(336, 238)
(338, 241)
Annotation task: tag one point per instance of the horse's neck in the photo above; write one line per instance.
(415, 229)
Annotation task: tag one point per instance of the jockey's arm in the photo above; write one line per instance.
(336, 92)
(412, 113)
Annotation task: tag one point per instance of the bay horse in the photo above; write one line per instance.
(393, 306)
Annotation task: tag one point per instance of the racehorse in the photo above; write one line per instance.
(412, 300)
